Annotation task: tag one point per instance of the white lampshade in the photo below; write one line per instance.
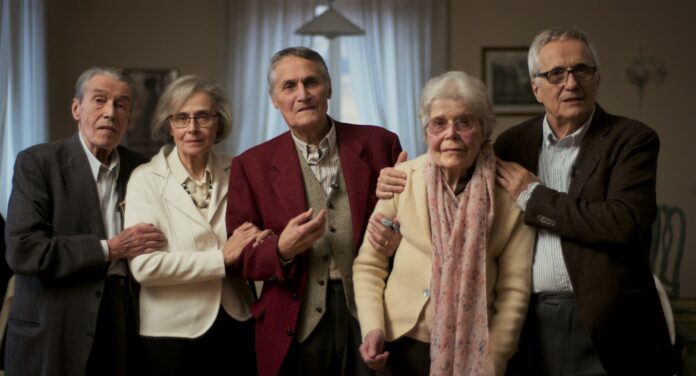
(330, 24)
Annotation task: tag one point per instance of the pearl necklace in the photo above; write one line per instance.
(200, 205)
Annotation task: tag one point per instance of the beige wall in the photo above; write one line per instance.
(189, 35)
(664, 29)
(183, 34)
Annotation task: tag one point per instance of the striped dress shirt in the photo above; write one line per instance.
(324, 161)
(556, 163)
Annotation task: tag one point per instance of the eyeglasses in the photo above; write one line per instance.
(462, 125)
(557, 76)
(203, 119)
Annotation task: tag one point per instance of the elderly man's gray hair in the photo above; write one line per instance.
(557, 33)
(301, 52)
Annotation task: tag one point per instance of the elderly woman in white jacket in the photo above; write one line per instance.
(194, 318)
(453, 298)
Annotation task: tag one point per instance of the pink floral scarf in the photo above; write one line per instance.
(460, 227)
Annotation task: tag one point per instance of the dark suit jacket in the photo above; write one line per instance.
(267, 189)
(604, 221)
(54, 228)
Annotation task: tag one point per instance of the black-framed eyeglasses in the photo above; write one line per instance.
(462, 125)
(557, 76)
(203, 119)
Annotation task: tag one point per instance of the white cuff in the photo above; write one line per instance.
(525, 195)
(105, 248)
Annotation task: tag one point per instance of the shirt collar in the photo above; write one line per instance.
(178, 170)
(95, 164)
(314, 154)
(573, 139)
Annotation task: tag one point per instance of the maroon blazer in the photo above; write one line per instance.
(605, 225)
(266, 188)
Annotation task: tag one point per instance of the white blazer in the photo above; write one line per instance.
(184, 284)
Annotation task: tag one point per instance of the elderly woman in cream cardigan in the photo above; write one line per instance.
(453, 297)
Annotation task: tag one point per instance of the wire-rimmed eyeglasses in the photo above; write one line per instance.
(182, 119)
(557, 76)
(462, 125)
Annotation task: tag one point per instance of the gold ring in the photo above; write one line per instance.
(386, 243)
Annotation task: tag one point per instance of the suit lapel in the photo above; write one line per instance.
(74, 171)
(534, 138)
(221, 175)
(174, 194)
(356, 174)
(288, 184)
(588, 158)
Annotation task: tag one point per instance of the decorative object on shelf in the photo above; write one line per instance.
(507, 79)
(644, 70)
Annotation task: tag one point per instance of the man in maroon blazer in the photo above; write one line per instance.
(586, 181)
(314, 187)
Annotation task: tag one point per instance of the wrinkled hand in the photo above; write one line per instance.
(242, 236)
(261, 236)
(391, 180)
(136, 240)
(513, 177)
(383, 239)
(301, 233)
(372, 348)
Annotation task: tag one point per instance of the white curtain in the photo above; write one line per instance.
(403, 46)
(256, 30)
(22, 85)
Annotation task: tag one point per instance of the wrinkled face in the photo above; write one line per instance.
(300, 93)
(570, 103)
(195, 140)
(453, 149)
(103, 113)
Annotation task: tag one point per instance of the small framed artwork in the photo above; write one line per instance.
(507, 79)
(149, 85)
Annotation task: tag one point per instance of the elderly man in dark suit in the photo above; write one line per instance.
(73, 310)
(319, 176)
(586, 180)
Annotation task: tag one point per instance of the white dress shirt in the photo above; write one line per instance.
(105, 178)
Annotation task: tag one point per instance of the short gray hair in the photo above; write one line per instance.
(177, 93)
(557, 33)
(458, 86)
(116, 73)
(301, 52)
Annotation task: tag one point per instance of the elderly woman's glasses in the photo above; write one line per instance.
(462, 125)
(182, 119)
(557, 76)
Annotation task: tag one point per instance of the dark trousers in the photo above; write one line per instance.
(554, 341)
(407, 357)
(227, 348)
(114, 349)
(332, 348)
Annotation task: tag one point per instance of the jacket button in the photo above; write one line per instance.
(90, 335)
(295, 297)
(321, 282)
(332, 229)
(290, 332)
(98, 293)
(426, 293)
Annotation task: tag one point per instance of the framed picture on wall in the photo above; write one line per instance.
(149, 84)
(507, 80)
